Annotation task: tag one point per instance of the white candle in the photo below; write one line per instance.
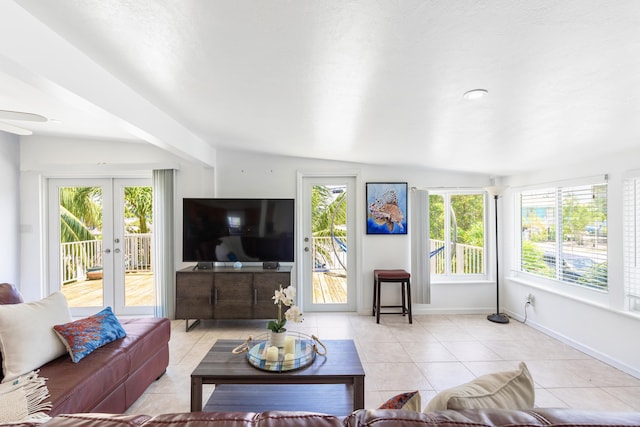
(288, 360)
(289, 345)
(272, 354)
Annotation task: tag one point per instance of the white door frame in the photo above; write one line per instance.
(304, 270)
(112, 229)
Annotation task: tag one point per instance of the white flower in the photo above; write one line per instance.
(294, 314)
(287, 297)
(280, 297)
(290, 295)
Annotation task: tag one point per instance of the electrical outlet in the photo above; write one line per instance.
(529, 299)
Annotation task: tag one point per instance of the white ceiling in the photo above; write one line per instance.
(371, 81)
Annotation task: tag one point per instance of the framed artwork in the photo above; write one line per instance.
(386, 208)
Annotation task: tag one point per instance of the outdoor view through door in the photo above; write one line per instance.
(329, 249)
(105, 259)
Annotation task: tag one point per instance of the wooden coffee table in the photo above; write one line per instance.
(332, 384)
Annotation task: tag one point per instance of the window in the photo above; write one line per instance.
(457, 233)
(631, 232)
(564, 234)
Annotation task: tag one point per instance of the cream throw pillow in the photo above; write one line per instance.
(27, 338)
(507, 390)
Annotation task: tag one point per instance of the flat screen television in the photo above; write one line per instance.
(245, 230)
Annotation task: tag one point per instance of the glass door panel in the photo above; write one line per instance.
(134, 224)
(327, 238)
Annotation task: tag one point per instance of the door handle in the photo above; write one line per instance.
(306, 249)
(116, 251)
(107, 251)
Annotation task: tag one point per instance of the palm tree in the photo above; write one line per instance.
(328, 218)
(80, 212)
(139, 204)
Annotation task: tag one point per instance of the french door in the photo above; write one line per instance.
(328, 243)
(100, 244)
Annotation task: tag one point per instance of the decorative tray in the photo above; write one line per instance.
(301, 350)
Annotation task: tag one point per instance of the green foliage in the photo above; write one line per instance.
(72, 229)
(533, 260)
(328, 218)
(277, 325)
(326, 211)
(138, 202)
(539, 230)
(436, 217)
(468, 211)
(575, 218)
(595, 276)
(80, 212)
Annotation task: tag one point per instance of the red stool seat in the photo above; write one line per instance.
(392, 276)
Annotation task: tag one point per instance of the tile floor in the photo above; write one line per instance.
(432, 354)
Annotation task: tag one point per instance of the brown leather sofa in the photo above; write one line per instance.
(361, 418)
(112, 377)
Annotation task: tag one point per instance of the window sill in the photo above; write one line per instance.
(463, 282)
(587, 296)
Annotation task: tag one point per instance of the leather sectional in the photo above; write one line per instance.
(360, 418)
(112, 377)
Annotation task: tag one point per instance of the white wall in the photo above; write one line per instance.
(41, 158)
(237, 174)
(240, 174)
(588, 319)
(10, 207)
(563, 313)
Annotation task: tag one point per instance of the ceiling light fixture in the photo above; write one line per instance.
(19, 116)
(14, 129)
(475, 93)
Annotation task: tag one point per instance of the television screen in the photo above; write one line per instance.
(246, 230)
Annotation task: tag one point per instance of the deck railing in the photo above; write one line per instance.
(466, 259)
(77, 258)
(330, 254)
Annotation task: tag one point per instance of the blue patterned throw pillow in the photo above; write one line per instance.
(83, 336)
(409, 401)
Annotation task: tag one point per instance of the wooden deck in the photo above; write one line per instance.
(328, 288)
(88, 293)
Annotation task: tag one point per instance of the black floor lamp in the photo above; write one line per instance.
(497, 317)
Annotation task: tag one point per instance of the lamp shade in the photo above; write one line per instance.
(495, 190)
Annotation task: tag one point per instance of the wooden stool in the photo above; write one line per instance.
(392, 276)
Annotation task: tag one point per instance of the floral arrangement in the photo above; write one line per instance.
(285, 297)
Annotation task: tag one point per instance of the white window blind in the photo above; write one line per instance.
(564, 234)
(631, 242)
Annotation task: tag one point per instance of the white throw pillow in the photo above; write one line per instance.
(507, 390)
(27, 338)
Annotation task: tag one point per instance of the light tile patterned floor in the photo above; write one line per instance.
(434, 353)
